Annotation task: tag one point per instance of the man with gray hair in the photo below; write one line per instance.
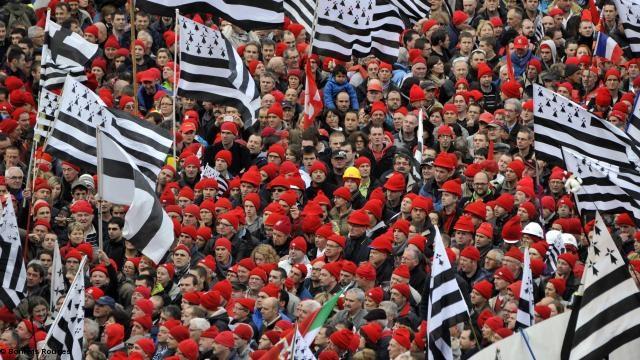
(353, 309)
(91, 331)
(196, 327)
(513, 108)
(14, 178)
(306, 308)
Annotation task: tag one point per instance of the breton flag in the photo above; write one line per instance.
(414, 10)
(63, 53)
(633, 129)
(301, 12)
(146, 225)
(539, 31)
(524, 316)
(446, 305)
(73, 136)
(47, 111)
(358, 28)
(300, 348)
(607, 319)
(14, 274)
(66, 334)
(57, 278)
(607, 48)
(556, 247)
(605, 187)
(312, 98)
(212, 70)
(629, 15)
(246, 14)
(559, 122)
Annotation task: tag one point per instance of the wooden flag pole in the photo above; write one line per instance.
(176, 49)
(100, 186)
(134, 66)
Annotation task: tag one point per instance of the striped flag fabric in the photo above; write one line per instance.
(211, 70)
(301, 12)
(605, 187)
(73, 137)
(65, 336)
(146, 225)
(414, 10)
(47, 110)
(446, 306)
(14, 274)
(633, 127)
(607, 48)
(629, 16)
(57, 287)
(312, 99)
(539, 31)
(607, 320)
(524, 316)
(559, 122)
(247, 14)
(556, 247)
(347, 28)
(63, 53)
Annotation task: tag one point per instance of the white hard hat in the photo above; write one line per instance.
(569, 239)
(533, 228)
(552, 235)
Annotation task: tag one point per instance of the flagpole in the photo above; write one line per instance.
(31, 167)
(132, 46)
(176, 48)
(100, 182)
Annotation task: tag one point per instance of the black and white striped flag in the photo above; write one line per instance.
(629, 16)
(63, 53)
(246, 14)
(539, 31)
(66, 334)
(301, 12)
(607, 320)
(57, 286)
(47, 110)
(358, 28)
(559, 122)
(14, 274)
(146, 225)
(524, 316)
(446, 306)
(556, 247)
(414, 10)
(605, 187)
(633, 129)
(73, 137)
(211, 70)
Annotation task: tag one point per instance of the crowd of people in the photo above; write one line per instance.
(297, 213)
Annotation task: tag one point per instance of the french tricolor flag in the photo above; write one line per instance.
(608, 48)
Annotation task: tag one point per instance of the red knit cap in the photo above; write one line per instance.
(366, 271)
(512, 230)
(484, 288)
(471, 252)
(376, 294)
(505, 274)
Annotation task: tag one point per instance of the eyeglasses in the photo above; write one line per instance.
(15, 177)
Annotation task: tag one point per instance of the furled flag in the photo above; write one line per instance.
(607, 48)
(66, 334)
(559, 122)
(607, 315)
(301, 12)
(446, 306)
(605, 187)
(524, 316)
(14, 274)
(73, 137)
(246, 14)
(629, 16)
(47, 110)
(64, 53)
(212, 70)
(146, 225)
(556, 247)
(58, 288)
(359, 28)
(312, 99)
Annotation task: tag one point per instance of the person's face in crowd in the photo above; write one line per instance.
(466, 45)
(571, 49)
(477, 58)
(61, 14)
(394, 100)
(513, 19)
(142, 22)
(384, 75)
(532, 72)
(401, 165)
(523, 141)
(267, 84)
(612, 83)
(119, 22)
(528, 28)
(398, 120)
(181, 258)
(267, 52)
(250, 53)
(460, 103)
(419, 70)
(343, 103)
(227, 137)
(372, 70)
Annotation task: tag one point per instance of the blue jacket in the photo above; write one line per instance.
(520, 63)
(331, 89)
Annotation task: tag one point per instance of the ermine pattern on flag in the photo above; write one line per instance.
(629, 16)
(47, 110)
(57, 278)
(524, 316)
(14, 274)
(212, 70)
(608, 320)
(556, 247)
(358, 28)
